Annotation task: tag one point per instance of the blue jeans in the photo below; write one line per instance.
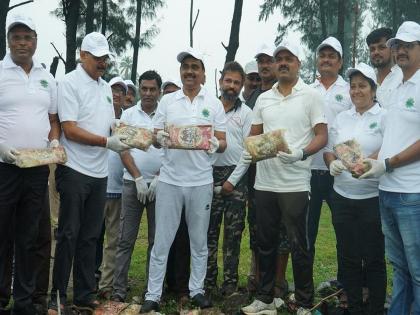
(400, 215)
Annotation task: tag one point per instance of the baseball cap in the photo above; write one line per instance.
(190, 52)
(22, 20)
(170, 81)
(264, 49)
(290, 46)
(364, 69)
(333, 43)
(251, 67)
(130, 83)
(118, 80)
(96, 44)
(408, 32)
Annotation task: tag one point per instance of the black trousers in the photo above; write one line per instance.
(357, 226)
(292, 210)
(22, 194)
(82, 202)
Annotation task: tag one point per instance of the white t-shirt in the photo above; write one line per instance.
(238, 126)
(115, 173)
(297, 113)
(88, 103)
(149, 162)
(387, 88)
(188, 167)
(402, 130)
(25, 102)
(336, 100)
(367, 129)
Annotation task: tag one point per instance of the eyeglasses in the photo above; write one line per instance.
(396, 45)
(103, 59)
(25, 38)
(117, 91)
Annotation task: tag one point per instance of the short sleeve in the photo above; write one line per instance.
(219, 122)
(68, 105)
(159, 119)
(317, 114)
(53, 96)
(256, 113)
(246, 128)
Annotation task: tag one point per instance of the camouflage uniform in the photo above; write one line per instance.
(232, 208)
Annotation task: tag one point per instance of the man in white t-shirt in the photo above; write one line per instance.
(388, 75)
(140, 178)
(86, 110)
(398, 169)
(28, 120)
(282, 183)
(185, 179)
(252, 80)
(335, 92)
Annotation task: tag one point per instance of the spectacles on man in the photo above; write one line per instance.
(24, 38)
(396, 45)
(117, 91)
(103, 59)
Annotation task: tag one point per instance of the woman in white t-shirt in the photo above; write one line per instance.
(354, 202)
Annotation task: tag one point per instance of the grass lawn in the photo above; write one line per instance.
(325, 266)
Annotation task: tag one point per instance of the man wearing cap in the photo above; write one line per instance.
(252, 80)
(170, 86)
(28, 120)
(388, 75)
(112, 208)
(185, 178)
(86, 110)
(282, 184)
(398, 169)
(141, 173)
(335, 92)
(130, 97)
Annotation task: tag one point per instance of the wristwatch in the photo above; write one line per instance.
(305, 155)
(388, 167)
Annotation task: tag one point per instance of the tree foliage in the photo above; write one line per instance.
(391, 13)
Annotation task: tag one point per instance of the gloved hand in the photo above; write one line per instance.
(292, 157)
(8, 154)
(115, 124)
(217, 190)
(377, 169)
(214, 145)
(142, 189)
(151, 192)
(246, 157)
(336, 167)
(162, 137)
(54, 143)
(114, 143)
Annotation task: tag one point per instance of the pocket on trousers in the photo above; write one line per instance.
(410, 199)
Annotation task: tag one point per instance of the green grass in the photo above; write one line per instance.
(325, 266)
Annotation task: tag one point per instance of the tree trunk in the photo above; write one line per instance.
(4, 8)
(136, 42)
(323, 19)
(191, 23)
(71, 10)
(54, 65)
(341, 8)
(395, 17)
(234, 32)
(104, 16)
(90, 6)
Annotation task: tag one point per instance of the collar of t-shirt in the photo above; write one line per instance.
(415, 79)
(296, 88)
(236, 106)
(86, 78)
(140, 109)
(180, 93)
(375, 109)
(9, 63)
(339, 82)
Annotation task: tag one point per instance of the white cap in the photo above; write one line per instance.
(364, 69)
(333, 43)
(290, 46)
(408, 32)
(264, 49)
(130, 83)
(251, 67)
(120, 81)
(23, 20)
(96, 44)
(190, 52)
(171, 81)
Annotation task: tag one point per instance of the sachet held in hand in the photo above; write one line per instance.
(37, 157)
(189, 137)
(266, 145)
(139, 138)
(350, 153)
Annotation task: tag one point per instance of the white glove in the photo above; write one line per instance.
(115, 124)
(217, 190)
(246, 158)
(142, 189)
(151, 192)
(8, 154)
(377, 169)
(336, 167)
(114, 143)
(54, 143)
(162, 137)
(292, 157)
(214, 145)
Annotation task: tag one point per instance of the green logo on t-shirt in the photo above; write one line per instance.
(373, 125)
(44, 83)
(205, 112)
(109, 100)
(409, 103)
(339, 97)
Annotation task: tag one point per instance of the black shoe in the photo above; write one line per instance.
(149, 306)
(201, 301)
(86, 305)
(117, 298)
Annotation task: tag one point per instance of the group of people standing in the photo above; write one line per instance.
(105, 185)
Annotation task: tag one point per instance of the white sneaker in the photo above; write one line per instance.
(303, 311)
(260, 308)
(279, 302)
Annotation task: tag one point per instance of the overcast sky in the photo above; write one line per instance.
(213, 26)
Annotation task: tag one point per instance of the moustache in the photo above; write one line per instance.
(402, 55)
(280, 68)
(325, 64)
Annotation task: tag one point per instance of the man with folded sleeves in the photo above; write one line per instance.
(86, 109)
(28, 120)
(185, 179)
(282, 184)
(398, 169)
